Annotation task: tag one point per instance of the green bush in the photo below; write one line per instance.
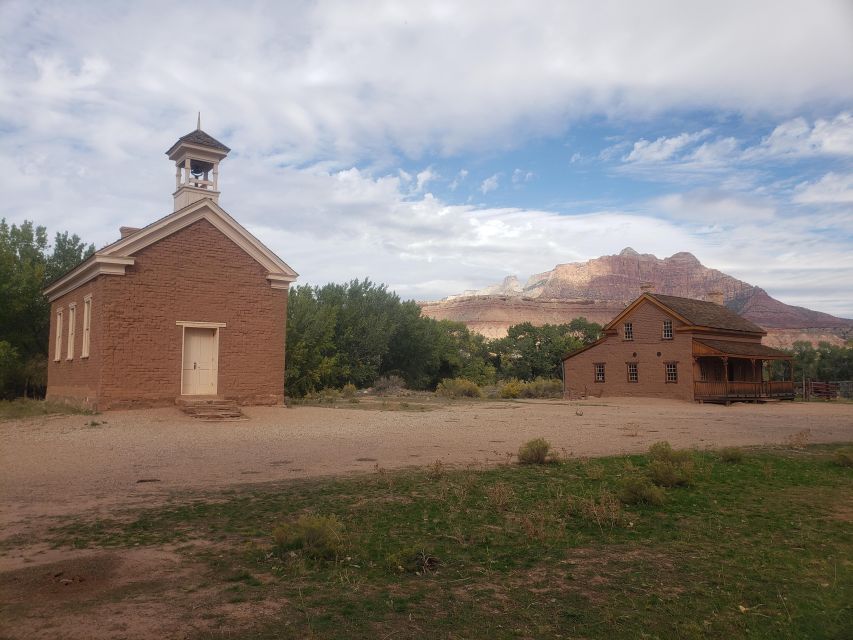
(458, 388)
(534, 451)
(669, 474)
(844, 457)
(348, 391)
(538, 388)
(316, 536)
(731, 455)
(637, 489)
(511, 388)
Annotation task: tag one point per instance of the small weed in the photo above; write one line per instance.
(732, 455)
(500, 495)
(800, 439)
(594, 471)
(316, 536)
(844, 457)
(605, 511)
(534, 451)
(414, 560)
(670, 474)
(436, 470)
(638, 489)
(664, 451)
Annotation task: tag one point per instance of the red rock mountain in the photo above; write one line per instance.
(598, 289)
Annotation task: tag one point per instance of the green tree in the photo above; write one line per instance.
(27, 264)
(530, 351)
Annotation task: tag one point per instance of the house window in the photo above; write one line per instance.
(72, 317)
(87, 325)
(57, 349)
(633, 375)
(628, 331)
(599, 372)
(667, 329)
(671, 372)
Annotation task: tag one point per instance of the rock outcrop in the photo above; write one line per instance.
(598, 289)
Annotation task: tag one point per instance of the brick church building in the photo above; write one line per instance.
(192, 305)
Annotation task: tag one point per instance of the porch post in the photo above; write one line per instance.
(726, 375)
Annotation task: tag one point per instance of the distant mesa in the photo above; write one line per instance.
(599, 288)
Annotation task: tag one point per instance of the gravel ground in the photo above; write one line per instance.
(64, 465)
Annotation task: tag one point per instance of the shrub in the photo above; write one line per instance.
(348, 391)
(317, 536)
(534, 451)
(640, 490)
(542, 388)
(664, 451)
(388, 385)
(511, 388)
(458, 388)
(669, 474)
(606, 511)
(732, 455)
(329, 395)
(501, 495)
(844, 457)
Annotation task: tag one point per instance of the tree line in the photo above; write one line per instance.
(353, 332)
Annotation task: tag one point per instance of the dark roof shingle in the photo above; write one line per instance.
(707, 314)
(199, 137)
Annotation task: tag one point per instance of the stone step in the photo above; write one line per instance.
(210, 408)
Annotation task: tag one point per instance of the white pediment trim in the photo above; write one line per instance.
(113, 258)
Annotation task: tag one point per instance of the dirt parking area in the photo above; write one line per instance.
(64, 465)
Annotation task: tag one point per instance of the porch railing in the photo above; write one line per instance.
(738, 389)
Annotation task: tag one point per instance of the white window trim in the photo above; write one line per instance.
(57, 347)
(87, 325)
(72, 329)
(628, 328)
(664, 332)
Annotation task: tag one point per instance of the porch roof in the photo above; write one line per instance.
(702, 347)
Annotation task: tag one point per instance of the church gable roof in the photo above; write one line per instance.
(115, 257)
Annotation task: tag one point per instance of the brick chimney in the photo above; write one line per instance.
(126, 231)
(647, 287)
(716, 297)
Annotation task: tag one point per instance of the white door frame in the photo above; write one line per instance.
(216, 326)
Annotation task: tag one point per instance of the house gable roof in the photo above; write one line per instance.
(113, 258)
(694, 313)
(741, 349)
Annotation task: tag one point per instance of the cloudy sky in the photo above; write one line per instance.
(440, 146)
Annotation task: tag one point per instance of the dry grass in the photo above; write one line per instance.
(637, 489)
(534, 451)
(501, 495)
(315, 536)
(605, 511)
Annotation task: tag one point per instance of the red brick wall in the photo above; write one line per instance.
(77, 379)
(196, 275)
(647, 320)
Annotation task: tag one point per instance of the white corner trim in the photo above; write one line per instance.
(200, 325)
(280, 282)
(93, 267)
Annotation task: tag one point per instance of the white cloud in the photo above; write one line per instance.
(520, 175)
(713, 208)
(424, 177)
(798, 138)
(490, 184)
(832, 188)
(663, 148)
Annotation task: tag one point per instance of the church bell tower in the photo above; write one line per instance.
(196, 157)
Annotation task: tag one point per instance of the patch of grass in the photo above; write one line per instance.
(538, 388)
(637, 489)
(664, 451)
(315, 536)
(732, 455)
(28, 408)
(534, 451)
(758, 549)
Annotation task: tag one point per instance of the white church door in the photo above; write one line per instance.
(200, 362)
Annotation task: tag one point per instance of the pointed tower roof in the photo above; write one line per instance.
(200, 138)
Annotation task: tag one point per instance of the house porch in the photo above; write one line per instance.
(727, 371)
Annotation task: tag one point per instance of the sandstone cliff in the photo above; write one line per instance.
(598, 289)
